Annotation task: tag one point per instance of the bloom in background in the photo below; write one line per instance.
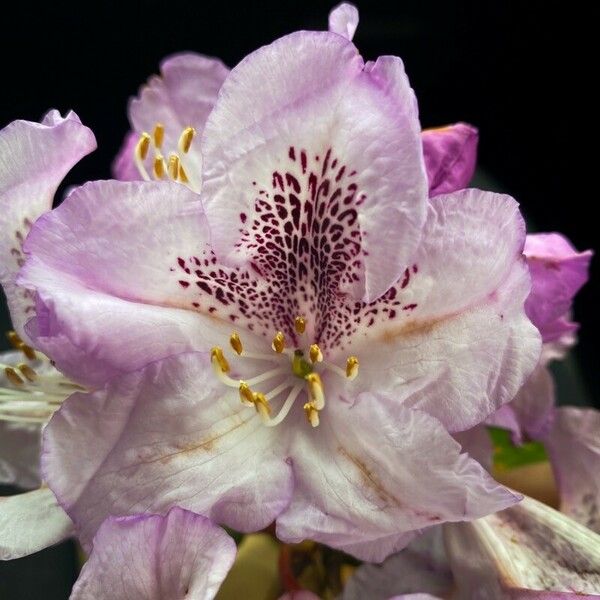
(316, 249)
(148, 556)
(171, 110)
(34, 158)
(528, 550)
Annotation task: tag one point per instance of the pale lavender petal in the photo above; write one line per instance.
(299, 595)
(109, 280)
(34, 158)
(558, 271)
(30, 522)
(421, 567)
(123, 167)
(369, 476)
(170, 434)
(416, 597)
(343, 20)
(527, 548)
(532, 411)
(324, 144)
(477, 443)
(450, 157)
(452, 337)
(574, 448)
(182, 96)
(151, 557)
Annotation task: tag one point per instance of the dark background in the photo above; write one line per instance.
(520, 71)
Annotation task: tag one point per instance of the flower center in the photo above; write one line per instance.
(33, 390)
(298, 369)
(173, 165)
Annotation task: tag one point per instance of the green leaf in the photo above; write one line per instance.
(507, 455)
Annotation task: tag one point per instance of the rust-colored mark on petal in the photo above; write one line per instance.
(412, 327)
(207, 444)
(370, 479)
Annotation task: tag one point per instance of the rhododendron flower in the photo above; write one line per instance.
(34, 158)
(172, 108)
(526, 551)
(365, 323)
(180, 555)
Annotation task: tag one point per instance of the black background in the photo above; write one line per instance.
(520, 71)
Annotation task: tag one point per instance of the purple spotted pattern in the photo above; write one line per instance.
(304, 243)
(16, 252)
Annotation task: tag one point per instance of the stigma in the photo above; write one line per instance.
(32, 390)
(165, 163)
(296, 371)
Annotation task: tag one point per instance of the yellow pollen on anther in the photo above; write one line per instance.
(351, 367)
(300, 325)
(312, 414)
(218, 359)
(159, 166)
(315, 353)
(141, 149)
(183, 175)
(158, 134)
(315, 390)
(262, 406)
(246, 394)
(278, 343)
(236, 343)
(12, 376)
(173, 167)
(186, 138)
(17, 343)
(27, 371)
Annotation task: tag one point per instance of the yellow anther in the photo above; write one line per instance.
(159, 134)
(315, 353)
(312, 414)
(13, 376)
(13, 338)
(159, 166)
(300, 325)
(185, 139)
(173, 167)
(183, 175)
(19, 344)
(27, 371)
(246, 394)
(141, 148)
(262, 406)
(28, 351)
(315, 390)
(351, 367)
(236, 343)
(278, 343)
(218, 359)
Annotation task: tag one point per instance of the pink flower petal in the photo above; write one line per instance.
(574, 447)
(525, 549)
(150, 557)
(168, 435)
(558, 271)
(107, 271)
(343, 20)
(421, 567)
(369, 476)
(322, 144)
(35, 159)
(30, 522)
(452, 337)
(450, 157)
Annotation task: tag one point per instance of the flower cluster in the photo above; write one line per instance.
(287, 308)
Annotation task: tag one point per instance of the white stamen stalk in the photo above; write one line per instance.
(285, 409)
